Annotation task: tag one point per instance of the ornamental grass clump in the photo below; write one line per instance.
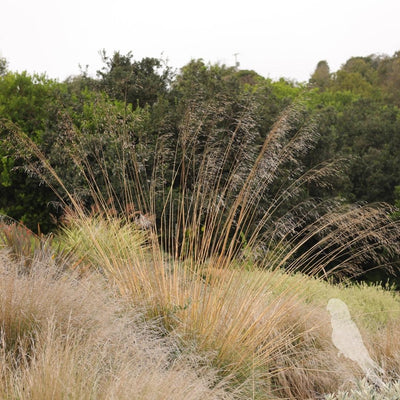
(197, 227)
(64, 335)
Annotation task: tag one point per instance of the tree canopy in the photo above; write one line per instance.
(355, 109)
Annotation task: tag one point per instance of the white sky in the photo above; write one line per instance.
(275, 38)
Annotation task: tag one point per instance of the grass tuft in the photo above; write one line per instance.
(216, 242)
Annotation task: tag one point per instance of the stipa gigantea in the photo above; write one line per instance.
(225, 202)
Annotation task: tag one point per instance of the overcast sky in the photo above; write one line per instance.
(275, 38)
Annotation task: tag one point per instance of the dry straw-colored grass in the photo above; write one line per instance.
(69, 337)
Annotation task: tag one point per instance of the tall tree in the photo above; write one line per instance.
(26, 103)
(138, 83)
(321, 76)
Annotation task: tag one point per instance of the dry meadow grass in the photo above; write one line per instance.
(64, 336)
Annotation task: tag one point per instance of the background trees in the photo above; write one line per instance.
(321, 76)
(357, 109)
(27, 103)
(360, 119)
(138, 83)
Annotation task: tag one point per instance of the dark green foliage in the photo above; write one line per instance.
(321, 76)
(26, 104)
(141, 104)
(138, 83)
(360, 119)
(373, 135)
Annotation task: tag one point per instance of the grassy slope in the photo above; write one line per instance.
(267, 333)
